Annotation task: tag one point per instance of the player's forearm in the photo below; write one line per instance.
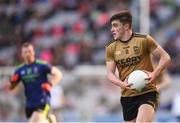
(163, 63)
(114, 79)
(165, 82)
(56, 76)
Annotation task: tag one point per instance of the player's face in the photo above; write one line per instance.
(117, 29)
(28, 53)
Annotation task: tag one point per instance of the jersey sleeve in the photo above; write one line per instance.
(109, 54)
(151, 44)
(15, 79)
(48, 68)
(16, 76)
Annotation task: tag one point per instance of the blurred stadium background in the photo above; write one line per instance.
(72, 34)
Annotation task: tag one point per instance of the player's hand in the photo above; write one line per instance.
(151, 77)
(126, 85)
(13, 81)
(46, 86)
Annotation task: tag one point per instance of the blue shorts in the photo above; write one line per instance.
(42, 108)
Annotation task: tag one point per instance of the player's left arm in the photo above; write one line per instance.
(164, 60)
(56, 75)
(157, 51)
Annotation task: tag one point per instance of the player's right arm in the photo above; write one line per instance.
(164, 58)
(111, 68)
(56, 77)
(15, 78)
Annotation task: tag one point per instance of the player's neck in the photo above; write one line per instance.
(127, 35)
(30, 61)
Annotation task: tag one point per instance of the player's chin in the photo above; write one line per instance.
(115, 38)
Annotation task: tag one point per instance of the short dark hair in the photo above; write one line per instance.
(124, 17)
(26, 44)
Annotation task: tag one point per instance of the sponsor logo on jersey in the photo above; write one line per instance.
(35, 70)
(23, 72)
(129, 61)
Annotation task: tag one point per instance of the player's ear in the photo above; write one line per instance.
(126, 26)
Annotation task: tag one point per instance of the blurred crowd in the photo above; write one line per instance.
(70, 32)
(172, 46)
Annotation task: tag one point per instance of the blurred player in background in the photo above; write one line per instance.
(164, 81)
(57, 101)
(33, 73)
(130, 51)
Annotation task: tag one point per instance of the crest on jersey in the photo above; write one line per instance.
(136, 49)
(29, 70)
(35, 70)
(117, 52)
(22, 72)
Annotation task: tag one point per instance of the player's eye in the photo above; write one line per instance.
(115, 25)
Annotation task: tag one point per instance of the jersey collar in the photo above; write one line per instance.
(31, 63)
(128, 39)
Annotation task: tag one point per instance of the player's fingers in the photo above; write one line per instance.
(149, 81)
(128, 88)
(134, 89)
(131, 88)
(126, 80)
(147, 84)
(129, 85)
(148, 78)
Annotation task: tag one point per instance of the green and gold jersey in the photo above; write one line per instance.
(131, 55)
